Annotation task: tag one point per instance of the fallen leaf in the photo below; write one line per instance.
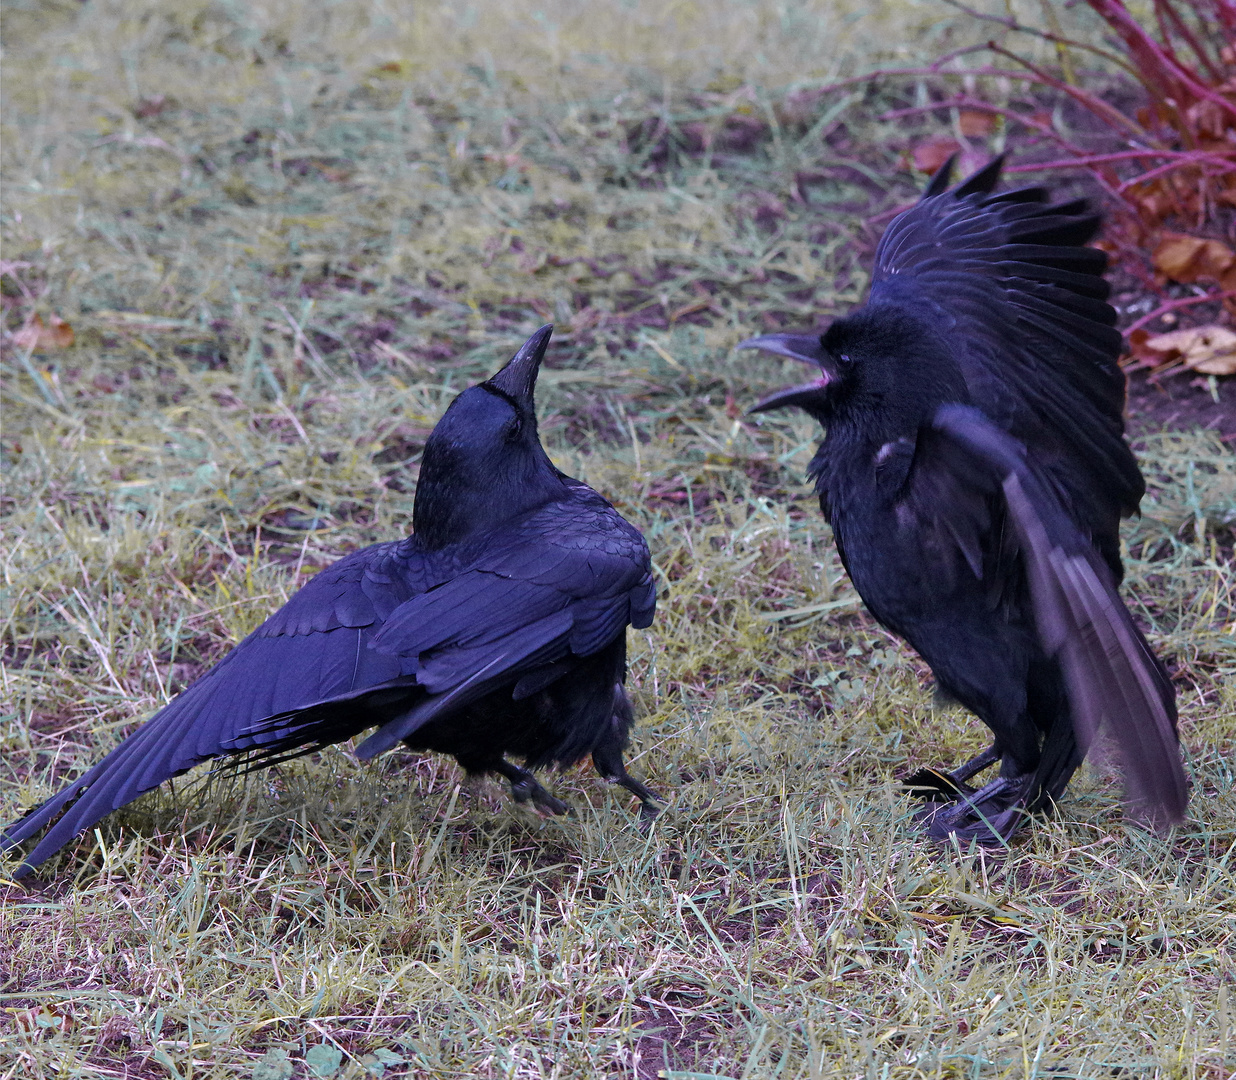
(1208, 350)
(975, 124)
(928, 156)
(694, 308)
(1156, 200)
(1186, 258)
(38, 336)
(49, 1017)
(1209, 119)
(395, 68)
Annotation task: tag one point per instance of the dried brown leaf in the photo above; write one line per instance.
(148, 107)
(975, 124)
(1208, 350)
(53, 1017)
(1186, 258)
(929, 155)
(38, 336)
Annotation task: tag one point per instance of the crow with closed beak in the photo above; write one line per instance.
(975, 471)
(497, 628)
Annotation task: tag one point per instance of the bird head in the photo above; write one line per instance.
(885, 358)
(483, 462)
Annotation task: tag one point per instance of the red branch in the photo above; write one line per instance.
(1162, 75)
(1172, 305)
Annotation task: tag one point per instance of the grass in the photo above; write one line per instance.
(283, 237)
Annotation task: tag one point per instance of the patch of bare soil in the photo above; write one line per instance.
(1182, 402)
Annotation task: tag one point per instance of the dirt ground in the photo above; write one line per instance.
(1181, 402)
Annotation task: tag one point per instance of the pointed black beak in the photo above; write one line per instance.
(518, 379)
(805, 347)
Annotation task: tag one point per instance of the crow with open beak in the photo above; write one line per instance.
(975, 472)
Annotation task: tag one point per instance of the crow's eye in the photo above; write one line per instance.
(514, 429)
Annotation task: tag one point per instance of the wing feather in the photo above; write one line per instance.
(1115, 682)
(563, 582)
(384, 629)
(302, 653)
(1024, 304)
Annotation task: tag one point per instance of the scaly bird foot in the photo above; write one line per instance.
(990, 816)
(524, 786)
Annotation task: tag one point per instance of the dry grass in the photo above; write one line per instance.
(283, 238)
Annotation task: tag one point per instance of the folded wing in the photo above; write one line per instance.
(566, 581)
(1115, 682)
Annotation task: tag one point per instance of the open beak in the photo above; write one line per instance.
(518, 378)
(805, 347)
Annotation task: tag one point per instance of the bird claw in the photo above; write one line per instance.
(649, 812)
(989, 816)
(527, 788)
(650, 805)
(550, 805)
(932, 785)
(966, 824)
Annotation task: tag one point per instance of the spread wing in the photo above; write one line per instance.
(1023, 304)
(1114, 680)
(564, 581)
(315, 646)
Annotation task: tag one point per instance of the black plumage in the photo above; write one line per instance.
(498, 627)
(974, 470)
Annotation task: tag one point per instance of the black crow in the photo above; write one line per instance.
(974, 471)
(498, 627)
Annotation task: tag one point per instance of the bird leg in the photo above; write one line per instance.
(976, 764)
(609, 764)
(524, 786)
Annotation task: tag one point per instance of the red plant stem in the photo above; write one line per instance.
(1112, 116)
(1163, 76)
(1163, 170)
(1081, 159)
(1172, 305)
(983, 106)
(1226, 10)
(1167, 13)
(964, 50)
(1160, 74)
(1183, 157)
(1055, 39)
(936, 69)
(1165, 32)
